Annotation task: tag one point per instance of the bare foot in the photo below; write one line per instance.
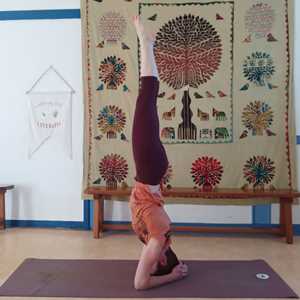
(143, 34)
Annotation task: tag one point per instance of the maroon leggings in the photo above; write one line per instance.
(150, 157)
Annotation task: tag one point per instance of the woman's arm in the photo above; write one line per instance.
(149, 258)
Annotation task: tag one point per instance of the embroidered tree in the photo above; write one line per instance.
(259, 68)
(207, 172)
(113, 169)
(112, 26)
(257, 116)
(112, 71)
(187, 51)
(111, 121)
(259, 170)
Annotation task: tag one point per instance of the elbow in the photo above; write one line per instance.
(140, 285)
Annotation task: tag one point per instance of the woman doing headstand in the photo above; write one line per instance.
(158, 264)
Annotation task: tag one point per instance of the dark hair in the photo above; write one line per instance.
(172, 261)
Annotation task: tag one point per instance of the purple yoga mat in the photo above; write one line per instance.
(114, 279)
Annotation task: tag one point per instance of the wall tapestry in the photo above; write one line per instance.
(225, 101)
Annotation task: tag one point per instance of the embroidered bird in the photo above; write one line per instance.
(153, 18)
(248, 39)
(245, 87)
(221, 94)
(99, 137)
(271, 86)
(98, 181)
(123, 137)
(125, 88)
(219, 17)
(271, 38)
(197, 95)
(124, 46)
(244, 134)
(100, 45)
(270, 133)
(101, 87)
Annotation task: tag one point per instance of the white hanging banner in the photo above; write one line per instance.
(50, 117)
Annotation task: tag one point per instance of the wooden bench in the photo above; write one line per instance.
(285, 196)
(3, 189)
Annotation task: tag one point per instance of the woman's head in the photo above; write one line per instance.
(171, 262)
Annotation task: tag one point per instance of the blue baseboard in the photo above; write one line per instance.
(261, 214)
(45, 224)
(296, 227)
(87, 214)
(83, 226)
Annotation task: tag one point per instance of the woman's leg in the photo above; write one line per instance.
(148, 64)
(149, 154)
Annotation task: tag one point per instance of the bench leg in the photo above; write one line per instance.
(98, 217)
(287, 219)
(2, 210)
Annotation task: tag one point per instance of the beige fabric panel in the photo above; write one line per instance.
(239, 81)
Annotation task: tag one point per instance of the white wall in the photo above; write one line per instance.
(49, 185)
